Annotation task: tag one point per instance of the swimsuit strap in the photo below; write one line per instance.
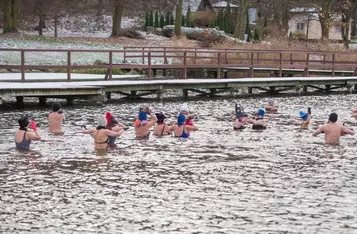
(163, 129)
(259, 118)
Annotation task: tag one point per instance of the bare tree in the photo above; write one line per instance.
(239, 30)
(10, 12)
(178, 20)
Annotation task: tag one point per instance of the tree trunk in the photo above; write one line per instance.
(325, 19)
(325, 29)
(178, 21)
(41, 24)
(10, 12)
(56, 25)
(117, 15)
(239, 30)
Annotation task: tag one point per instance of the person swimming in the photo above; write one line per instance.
(271, 107)
(161, 128)
(181, 129)
(184, 110)
(23, 137)
(101, 134)
(259, 122)
(142, 125)
(305, 117)
(333, 130)
(115, 126)
(240, 119)
(55, 119)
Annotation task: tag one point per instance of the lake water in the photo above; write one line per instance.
(281, 180)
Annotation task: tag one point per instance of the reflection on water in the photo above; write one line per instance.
(276, 181)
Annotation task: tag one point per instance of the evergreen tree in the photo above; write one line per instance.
(167, 20)
(188, 17)
(228, 20)
(183, 23)
(146, 20)
(220, 20)
(151, 19)
(162, 21)
(247, 29)
(172, 21)
(157, 22)
(256, 35)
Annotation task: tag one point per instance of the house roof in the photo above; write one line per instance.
(304, 10)
(224, 4)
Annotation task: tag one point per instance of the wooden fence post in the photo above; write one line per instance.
(280, 64)
(333, 65)
(219, 66)
(111, 65)
(307, 65)
(22, 66)
(251, 69)
(68, 66)
(185, 65)
(149, 64)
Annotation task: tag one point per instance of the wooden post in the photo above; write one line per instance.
(226, 57)
(333, 65)
(307, 65)
(185, 93)
(22, 66)
(219, 66)
(251, 69)
(42, 101)
(185, 65)
(291, 59)
(110, 65)
(149, 63)
(165, 58)
(280, 65)
(109, 95)
(258, 57)
(194, 61)
(68, 66)
(143, 55)
(124, 55)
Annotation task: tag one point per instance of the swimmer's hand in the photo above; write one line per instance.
(33, 126)
(126, 128)
(84, 126)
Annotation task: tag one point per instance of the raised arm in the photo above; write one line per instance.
(152, 121)
(90, 131)
(318, 131)
(111, 133)
(33, 136)
(191, 128)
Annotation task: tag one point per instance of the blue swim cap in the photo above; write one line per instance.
(303, 115)
(143, 115)
(181, 119)
(261, 112)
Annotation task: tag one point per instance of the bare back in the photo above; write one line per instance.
(143, 130)
(161, 129)
(55, 121)
(333, 132)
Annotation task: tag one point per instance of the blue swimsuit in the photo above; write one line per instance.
(184, 134)
(24, 144)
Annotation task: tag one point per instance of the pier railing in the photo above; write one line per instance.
(184, 59)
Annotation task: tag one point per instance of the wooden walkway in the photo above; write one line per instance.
(98, 90)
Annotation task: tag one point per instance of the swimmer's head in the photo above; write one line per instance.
(260, 112)
(239, 109)
(184, 109)
(160, 117)
(56, 107)
(271, 101)
(102, 121)
(303, 115)
(142, 116)
(23, 122)
(110, 118)
(181, 119)
(333, 117)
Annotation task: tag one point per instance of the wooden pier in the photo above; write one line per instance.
(100, 90)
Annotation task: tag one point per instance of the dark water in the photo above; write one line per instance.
(281, 180)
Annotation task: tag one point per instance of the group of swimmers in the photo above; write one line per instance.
(108, 128)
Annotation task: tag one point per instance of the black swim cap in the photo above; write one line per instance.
(23, 122)
(56, 107)
(160, 117)
(333, 117)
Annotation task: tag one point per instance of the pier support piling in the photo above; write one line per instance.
(1, 101)
(185, 93)
(20, 99)
(250, 90)
(108, 95)
(70, 101)
(304, 89)
(160, 94)
(328, 88)
(42, 101)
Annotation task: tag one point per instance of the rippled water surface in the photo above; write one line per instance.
(281, 180)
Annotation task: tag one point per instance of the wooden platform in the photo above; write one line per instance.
(98, 90)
